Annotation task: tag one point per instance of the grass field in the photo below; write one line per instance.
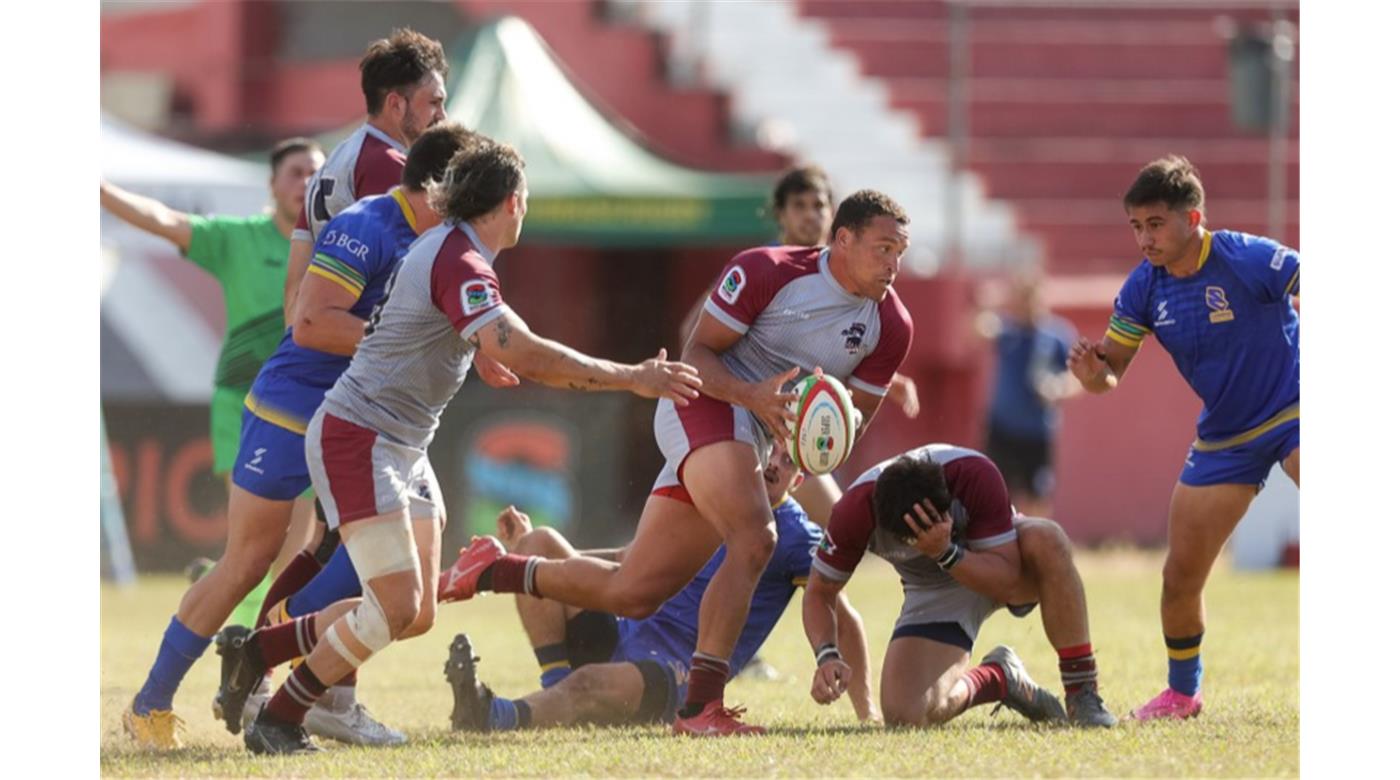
(1249, 726)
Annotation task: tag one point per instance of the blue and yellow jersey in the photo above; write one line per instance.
(1230, 328)
(358, 250)
(678, 620)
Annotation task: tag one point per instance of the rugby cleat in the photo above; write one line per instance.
(157, 729)
(716, 720)
(338, 716)
(239, 674)
(269, 736)
(1085, 708)
(471, 701)
(458, 583)
(1169, 704)
(256, 700)
(1022, 693)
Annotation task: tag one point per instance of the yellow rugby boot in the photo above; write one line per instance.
(157, 729)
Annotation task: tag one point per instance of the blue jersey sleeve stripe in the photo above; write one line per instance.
(351, 274)
(1128, 326)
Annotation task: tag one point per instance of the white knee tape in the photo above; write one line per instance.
(381, 548)
(338, 645)
(369, 624)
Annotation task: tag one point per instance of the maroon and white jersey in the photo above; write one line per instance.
(792, 312)
(981, 513)
(415, 354)
(367, 163)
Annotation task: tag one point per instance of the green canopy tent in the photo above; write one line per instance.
(591, 183)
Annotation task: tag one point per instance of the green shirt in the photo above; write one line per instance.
(249, 258)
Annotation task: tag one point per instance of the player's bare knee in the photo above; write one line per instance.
(898, 714)
(753, 547)
(423, 622)
(544, 542)
(400, 607)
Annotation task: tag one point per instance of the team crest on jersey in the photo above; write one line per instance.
(853, 335)
(732, 285)
(477, 296)
(827, 546)
(1219, 306)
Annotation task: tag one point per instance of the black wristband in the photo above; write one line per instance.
(950, 556)
(827, 652)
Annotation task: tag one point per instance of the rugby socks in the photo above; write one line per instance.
(1077, 667)
(510, 574)
(554, 664)
(985, 684)
(508, 714)
(708, 675)
(1184, 664)
(299, 571)
(295, 697)
(276, 645)
(179, 649)
(336, 581)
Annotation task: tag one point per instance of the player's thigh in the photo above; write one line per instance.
(918, 674)
(725, 481)
(256, 526)
(611, 687)
(1199, 521)
(817, 495)
(672, 543)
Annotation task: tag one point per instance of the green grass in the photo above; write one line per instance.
(1249, 726)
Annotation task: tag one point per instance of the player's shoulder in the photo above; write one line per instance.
(1237, 248)
(892, 309)
(793, 522)
(781, 262)
(232, 223)
(451, 249)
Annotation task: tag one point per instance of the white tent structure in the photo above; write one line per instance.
(162, 318)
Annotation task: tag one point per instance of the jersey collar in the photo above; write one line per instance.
(476, 242)
(1205, 250)
(383, 136)
(824, 263)
(405, 206)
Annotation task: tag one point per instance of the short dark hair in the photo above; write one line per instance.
(856, 211)
(400, 61)
(434, 149)
(479, 178)
(1171, 180)
(902, 485)
(290, 146)
(807, 178)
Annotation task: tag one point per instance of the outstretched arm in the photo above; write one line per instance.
(1098, 367)
(855, 650)
(148, 214)
(819, 620)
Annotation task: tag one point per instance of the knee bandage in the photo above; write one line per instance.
(376, 550)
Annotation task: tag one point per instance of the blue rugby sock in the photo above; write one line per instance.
(335, 581)
(1184, 668)
(506, 715)
(179, 649)
(554, 664)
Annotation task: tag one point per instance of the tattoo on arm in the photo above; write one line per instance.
(503, 331)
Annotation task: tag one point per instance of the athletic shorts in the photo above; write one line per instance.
(680, 430)
(598, 637)
(1246, 464)
(359, 473)
(1025, 462)
(225, 426)
(958, 606)
(271, 460)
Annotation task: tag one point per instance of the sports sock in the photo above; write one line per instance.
(1184, 667)
(179, 649)
(708, 674)
(510, 574)
(985, 683)
(554, 664)
(1077, 667)
(276, 645)
(295, 697)
(250, 608)
(299, 571)
(509, 714)
(335, 581)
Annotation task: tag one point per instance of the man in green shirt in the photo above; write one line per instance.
(248, 255)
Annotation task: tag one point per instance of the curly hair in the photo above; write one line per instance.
(398, 62)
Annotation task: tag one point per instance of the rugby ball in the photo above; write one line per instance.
(825, 430)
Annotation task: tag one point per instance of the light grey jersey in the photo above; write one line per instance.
(367, 163)
(415, 354)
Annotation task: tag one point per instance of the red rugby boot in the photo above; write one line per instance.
(458, 583)
(716, 720)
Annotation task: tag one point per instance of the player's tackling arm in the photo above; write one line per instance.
(322, 317)
(508, 339)
(148, 214)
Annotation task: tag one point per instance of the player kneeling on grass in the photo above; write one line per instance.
(940, 514)
(599, 668)
(366, 446)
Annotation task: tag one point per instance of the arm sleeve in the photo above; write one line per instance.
(747, 287)
(977, 484)
(1130, 322)
(848, 533)
(467, 291)
(209, 242)
(798, 549)
(302, 230)
(342, 253)
(874, 374)
(1269, 269)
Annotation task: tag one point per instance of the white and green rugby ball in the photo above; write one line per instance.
(825, 430)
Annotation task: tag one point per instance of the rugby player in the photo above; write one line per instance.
(1220, 303)
(778, 312)
(940, 514)
(367, 444)
(349, 276)
(604, 669)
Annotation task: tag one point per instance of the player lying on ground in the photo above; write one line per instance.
(940, 514)
(599, 668)
(444, 304)
(1221, 305)
(355, 260)
(779, 312)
